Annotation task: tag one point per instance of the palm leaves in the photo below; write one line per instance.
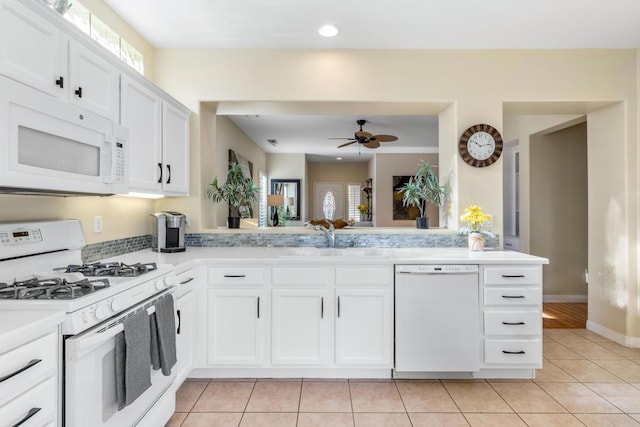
(423, 188)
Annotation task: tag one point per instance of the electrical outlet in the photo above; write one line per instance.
(97, 224)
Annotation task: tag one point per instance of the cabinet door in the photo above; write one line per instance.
(175, 150)
(185, 338)
(31, 49)
(364, 327)
(235, 330)
(93, 82)
(141, 113)
(301, 327)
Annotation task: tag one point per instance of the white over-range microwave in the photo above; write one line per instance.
(52, 147)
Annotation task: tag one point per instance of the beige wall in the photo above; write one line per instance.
(445, 76)
(388, 165)
(611, 242)
(559, 212)
(121, 216)
(346, 173)
(221, 135)
(117, 24)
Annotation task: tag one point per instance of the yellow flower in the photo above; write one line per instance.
(474, 216)
(362, 208)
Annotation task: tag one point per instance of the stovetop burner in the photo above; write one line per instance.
(53, 288)
(117, 269)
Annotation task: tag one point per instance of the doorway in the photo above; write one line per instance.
(328, 200)
(559, 221)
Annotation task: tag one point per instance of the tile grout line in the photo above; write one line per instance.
(506, 403)
(406, 411)
(299, 401)
(246, 405)
(353, 415)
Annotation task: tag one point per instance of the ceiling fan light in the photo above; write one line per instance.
(328, 30)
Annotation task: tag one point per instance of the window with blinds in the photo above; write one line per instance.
(263, 212)
(354, 192)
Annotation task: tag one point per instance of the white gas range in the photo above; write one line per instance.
(41, 269)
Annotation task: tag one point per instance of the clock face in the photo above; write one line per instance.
(480, 145)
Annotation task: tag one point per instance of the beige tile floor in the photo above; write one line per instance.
(586, 380)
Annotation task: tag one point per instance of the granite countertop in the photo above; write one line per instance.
(19, 327)
(348, 256)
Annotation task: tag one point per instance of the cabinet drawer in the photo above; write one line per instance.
(513, 275)
(29, 364)
(38, 404)
(513, 352)
(364, 275)
(314, 276)
(513, 296)
(232, 276)
(517, 323)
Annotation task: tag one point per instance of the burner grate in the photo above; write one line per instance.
(54, 288)
(118, 269)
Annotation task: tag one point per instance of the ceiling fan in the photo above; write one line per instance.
(367, 139)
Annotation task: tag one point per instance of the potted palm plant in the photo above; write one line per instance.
(236, 191)
(423, 188)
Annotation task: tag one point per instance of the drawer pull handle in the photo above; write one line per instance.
(258, 304)
(24, 368)
(513, 276)
(235, 275)
(512, 296)
(513, 352)
(513, 323)
(322, 307)
(31, 413)
(338, 307)
(187, 281)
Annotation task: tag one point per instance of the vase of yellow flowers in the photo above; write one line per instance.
(474, 217)
(363, 209)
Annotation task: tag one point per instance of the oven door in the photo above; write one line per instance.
(90, 380)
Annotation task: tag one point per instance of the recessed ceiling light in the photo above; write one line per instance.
(338, 158)
(328, 30)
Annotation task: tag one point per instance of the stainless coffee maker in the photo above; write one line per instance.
(167, 232)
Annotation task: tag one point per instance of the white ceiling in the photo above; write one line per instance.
(382, 24)
(309, 134)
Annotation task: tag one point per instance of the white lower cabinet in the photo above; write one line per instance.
(301, 327)
(363, 331)
(185, 329)
(512, 312)
(235, 332)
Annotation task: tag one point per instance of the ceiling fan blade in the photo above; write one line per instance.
(384, 138)
(363, 134)
(372, 144)
(345, 144)
(341, 138)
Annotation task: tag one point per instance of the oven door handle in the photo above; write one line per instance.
(78, 348)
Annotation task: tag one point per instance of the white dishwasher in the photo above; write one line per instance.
(437, 327)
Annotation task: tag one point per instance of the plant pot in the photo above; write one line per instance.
(476, 242)
(233, 221)
(422, 222)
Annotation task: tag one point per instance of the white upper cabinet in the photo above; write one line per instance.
(158, 140)
(175, 150)
(141, 113)
(32, 50)
(93, 82)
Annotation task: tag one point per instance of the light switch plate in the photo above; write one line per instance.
(97, 224)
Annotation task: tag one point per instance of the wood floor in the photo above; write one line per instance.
(564, 315)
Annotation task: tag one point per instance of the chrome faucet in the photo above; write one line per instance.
(329, 233)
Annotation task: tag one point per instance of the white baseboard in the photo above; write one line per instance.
(613, 335)
(564, 298)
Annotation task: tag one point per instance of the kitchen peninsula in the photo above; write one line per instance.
(320, 312)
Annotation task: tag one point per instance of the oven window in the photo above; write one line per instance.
(53, 152)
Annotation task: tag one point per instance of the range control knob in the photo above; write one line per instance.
(160, 284)
(101, 312)
(116, 305)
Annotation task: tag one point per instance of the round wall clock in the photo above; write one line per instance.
(480, 145)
